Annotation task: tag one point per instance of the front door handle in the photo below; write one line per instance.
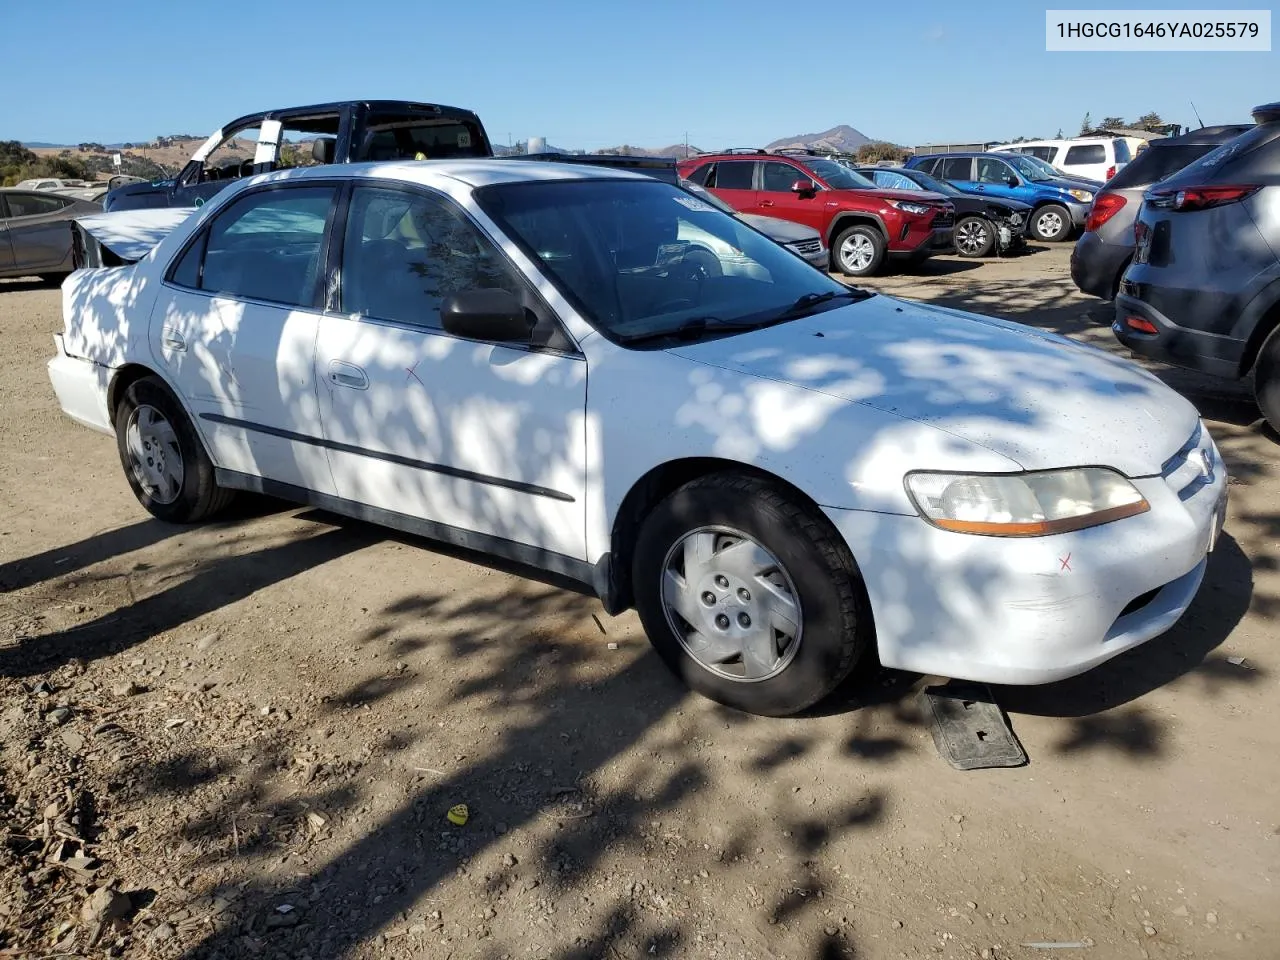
(766, 203)
(173, 340)
(345, 374)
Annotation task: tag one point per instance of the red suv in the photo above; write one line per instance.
(861, 223)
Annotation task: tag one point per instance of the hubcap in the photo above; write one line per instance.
(971, 237)
(857, 252)
(155, 458)
(1049, 224)
(732, 604)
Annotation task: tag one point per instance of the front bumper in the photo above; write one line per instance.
(81, 387)
(1034, 610)
(1096, 265)
(1079, 212)
(937, 240)
(1207, 352)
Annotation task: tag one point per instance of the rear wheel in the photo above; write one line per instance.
(859, 250)
(748, 595)
(1051, 223)
(974, 237)
(1266, 379)
(163, 459)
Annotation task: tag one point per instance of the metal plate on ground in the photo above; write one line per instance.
(969, 728)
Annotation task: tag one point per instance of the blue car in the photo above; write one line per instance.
(1059, 203)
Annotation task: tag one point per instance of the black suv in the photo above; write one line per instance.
(1203, 290)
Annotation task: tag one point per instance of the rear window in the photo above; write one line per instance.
(1217, 160)
(1085, 153)
(1121, 148)
(423, 140)
(1156, 163)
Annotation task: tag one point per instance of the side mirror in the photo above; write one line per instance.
(803, 188)
(486, 314)
(1011, 181)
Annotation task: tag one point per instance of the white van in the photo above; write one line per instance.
(1097, 158)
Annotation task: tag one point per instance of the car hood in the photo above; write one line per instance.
(1038, 399)
(782, 231)
(1070, 183)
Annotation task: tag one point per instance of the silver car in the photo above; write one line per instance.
(1105, 248)
(35, 232)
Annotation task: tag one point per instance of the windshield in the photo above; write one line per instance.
(645, 258)
(1033, 168)
(835, 176)
(929, 182)
(702, 193)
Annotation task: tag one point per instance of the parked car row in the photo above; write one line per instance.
(35, 231)
(1201, 287)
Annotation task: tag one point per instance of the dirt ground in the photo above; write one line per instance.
(245, 737)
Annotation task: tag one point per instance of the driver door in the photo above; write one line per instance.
(993, 175)
(777, 199)
(223, 159)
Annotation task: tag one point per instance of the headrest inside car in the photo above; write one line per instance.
(322, 149)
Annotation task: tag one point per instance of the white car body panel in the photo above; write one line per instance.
(541, 448)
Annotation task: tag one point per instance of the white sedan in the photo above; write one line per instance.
(780, 472)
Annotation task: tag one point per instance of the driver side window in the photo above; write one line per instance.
(993, 171)
(778, 177)
(233, 157)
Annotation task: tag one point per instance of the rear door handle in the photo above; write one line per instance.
(173, 340)
(347, 375)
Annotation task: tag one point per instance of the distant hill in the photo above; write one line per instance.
(841, 139)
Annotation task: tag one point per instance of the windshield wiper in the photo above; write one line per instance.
(691, 329)
(806, 302)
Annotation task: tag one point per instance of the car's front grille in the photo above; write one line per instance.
(806, 248)
(945, 219)
(1195, 465)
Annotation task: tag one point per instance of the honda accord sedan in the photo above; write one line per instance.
(781, 473)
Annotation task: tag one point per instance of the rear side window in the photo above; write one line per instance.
(34, 205)
(1121, 148)
(1085, 153)
(956, 168)
(733, 175)
(266, 246)
(928, 166)
(1042, 153)
(1156, 163)
(894, 181)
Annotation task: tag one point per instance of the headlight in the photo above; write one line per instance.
(1084, 196)
(906, 206)
(1024, 504)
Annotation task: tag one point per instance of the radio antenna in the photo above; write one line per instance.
(1197, 113)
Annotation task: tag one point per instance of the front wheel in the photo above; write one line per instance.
(163, 459)
(748, 595)
(1051, 223)
(859, 251)
(974, 237)
(1266, 379)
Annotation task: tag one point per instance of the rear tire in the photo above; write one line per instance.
(788, 617)
(1266, 379)
(859, 251)
(974, 237)
(163, 458)
(1051, 223)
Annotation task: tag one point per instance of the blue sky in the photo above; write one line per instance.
(597, 74)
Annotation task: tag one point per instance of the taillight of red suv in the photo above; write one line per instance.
(1105, 206)
(1111, 172)
(1201, 198)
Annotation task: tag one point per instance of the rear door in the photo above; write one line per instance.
(6, 249)
(733, 181)
(236, 332)
(957, 170)
(777, 199)
(39, 232)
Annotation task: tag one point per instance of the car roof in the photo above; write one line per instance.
(472, 172)
(1205, 135)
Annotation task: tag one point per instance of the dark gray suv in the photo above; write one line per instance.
(1203, 290)
(1106, 246)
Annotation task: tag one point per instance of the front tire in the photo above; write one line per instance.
(163, 459)
(974, 237)
(859, 251)
(1266, 379)
(1051, 223)
(748, 595)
